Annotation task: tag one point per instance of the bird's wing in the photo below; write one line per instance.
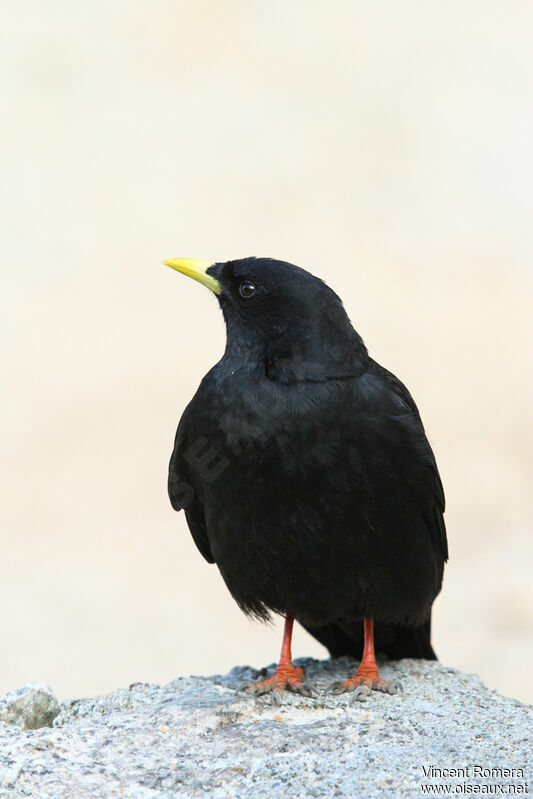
(195, 520)
(435, 506)
(181, 486)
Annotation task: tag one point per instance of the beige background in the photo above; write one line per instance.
(385, 146)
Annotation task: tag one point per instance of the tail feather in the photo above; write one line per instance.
(393, 640)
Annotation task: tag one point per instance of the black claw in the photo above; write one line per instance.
(276, 697)
(361, 692)
(338, 687)
(247, 687)
(388, 687)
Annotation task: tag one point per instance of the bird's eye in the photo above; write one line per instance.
(246, 289)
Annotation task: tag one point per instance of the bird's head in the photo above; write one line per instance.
(281, 317)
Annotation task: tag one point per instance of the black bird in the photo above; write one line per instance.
(306, 475)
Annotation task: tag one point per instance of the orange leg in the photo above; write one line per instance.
(367, 676)
(286, 674)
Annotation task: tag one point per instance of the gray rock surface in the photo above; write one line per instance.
(200, 737)
(30, 707)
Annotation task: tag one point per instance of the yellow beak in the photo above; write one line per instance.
(195, 269)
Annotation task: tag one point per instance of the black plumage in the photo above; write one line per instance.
(305, 472)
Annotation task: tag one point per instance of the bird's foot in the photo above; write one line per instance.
(287, 676)
(365, 680)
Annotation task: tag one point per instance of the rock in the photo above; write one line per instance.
(30, 707)
(199, 736)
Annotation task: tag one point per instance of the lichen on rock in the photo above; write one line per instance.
(30, 707)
